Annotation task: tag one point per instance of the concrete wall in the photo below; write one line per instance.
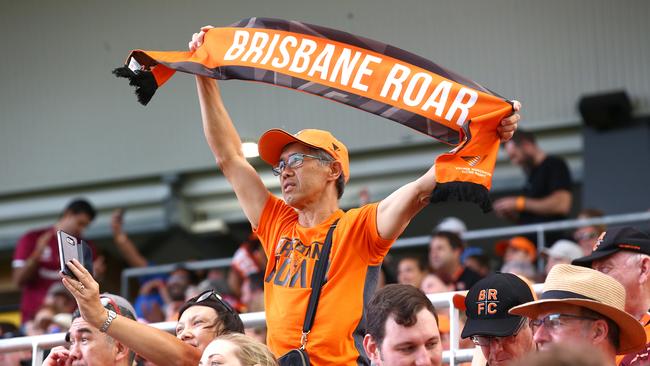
(65, 120)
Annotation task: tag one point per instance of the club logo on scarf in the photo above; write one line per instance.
(472, 160)
(599, 241)
(487, 302)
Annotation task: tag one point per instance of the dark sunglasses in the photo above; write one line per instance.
(211, 294)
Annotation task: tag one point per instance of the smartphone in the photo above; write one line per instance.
(69, 248)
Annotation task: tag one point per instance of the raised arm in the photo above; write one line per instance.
(396, 211)
(226, 145)
(127, 248)
(153, 344)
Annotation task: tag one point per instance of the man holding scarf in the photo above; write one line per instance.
(313, 168)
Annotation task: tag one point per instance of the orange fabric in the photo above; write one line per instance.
(362, 73)
(273, 142)
(641, 357)
(292, 249)
(219, 41)
(518, 242)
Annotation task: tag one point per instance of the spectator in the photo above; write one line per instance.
(411, 271)
(432, 284)
(92, 346)
(60, 299)
(587, 236)
(402, 328)
(237, 349)
(445, 249)
(562, 252)
(547, 194)
(313, 167)
(176, 286)
(502, 337)
(36, 258)
(201, 319)
(475, 259)
(581, 305)
(624, 254)
(517, 248)
(249, 259)
(42, 322)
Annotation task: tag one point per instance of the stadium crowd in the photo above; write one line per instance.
(596, 291)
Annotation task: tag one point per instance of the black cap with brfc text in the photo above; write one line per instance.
(488, 302)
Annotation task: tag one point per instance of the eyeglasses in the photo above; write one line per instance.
(484, 341)
(211, 294)
(294, 161)
(585, 235)
(553, 322)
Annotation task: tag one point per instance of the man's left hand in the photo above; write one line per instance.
(86, 291)
(508, 125)
(505, 207)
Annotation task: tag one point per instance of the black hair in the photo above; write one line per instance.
(340, 181)
(454, 239)
(403, 302)
(230, 320)
(418, 260)
(522, 136)
(80, 205)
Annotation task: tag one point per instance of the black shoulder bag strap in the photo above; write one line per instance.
(317, 280)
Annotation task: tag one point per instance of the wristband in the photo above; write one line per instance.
(111, 316)
(520, 203)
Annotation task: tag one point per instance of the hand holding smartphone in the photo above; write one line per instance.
(70, 248)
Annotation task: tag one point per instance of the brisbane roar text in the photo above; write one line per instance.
(357, 70)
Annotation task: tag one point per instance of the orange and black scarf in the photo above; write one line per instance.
(362, 73)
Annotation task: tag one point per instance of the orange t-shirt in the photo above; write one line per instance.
(641, 357)
(357, 252)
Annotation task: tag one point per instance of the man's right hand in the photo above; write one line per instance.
(117, 222)
(59, 356)
(197, 38)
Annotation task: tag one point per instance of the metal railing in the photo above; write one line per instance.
(38, 344)
(417, 241)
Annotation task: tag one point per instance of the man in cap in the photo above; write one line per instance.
(313, 167)
(562, 251)
(402, 328)
(623, 253)
(581, 305)
(91, 347)
(502, 337)
(516, 249)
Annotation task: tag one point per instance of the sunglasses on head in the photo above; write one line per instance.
(211, 294)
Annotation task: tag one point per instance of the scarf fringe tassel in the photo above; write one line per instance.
(462, 191)
(143, 81)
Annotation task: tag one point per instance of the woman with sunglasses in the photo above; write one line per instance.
(201, 320)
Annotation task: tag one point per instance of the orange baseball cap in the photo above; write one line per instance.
(274, 141)
(517, 242)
